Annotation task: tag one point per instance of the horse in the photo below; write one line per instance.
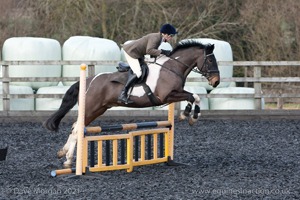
(166, 79)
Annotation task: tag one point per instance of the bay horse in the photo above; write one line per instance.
(166, 79)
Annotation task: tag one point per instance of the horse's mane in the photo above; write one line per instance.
(187, 44)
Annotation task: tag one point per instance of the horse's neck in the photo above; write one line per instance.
(184, 64)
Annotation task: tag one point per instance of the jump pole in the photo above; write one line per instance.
(80, 120)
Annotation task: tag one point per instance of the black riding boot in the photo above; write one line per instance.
(123, 96)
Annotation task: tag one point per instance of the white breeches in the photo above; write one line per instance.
(134, 65)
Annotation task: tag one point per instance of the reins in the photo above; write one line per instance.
(194, 69)
(180, 75)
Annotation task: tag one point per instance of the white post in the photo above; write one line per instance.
(257, 88)
(80, 119)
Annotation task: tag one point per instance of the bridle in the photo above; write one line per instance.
(208, 72)
(201, 70)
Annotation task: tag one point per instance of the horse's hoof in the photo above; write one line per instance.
(192, 121)
(67, 165)
(61, 153)
(182, 116)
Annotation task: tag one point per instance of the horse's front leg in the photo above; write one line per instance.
(187, 111)
(191, 99)
(196, 113)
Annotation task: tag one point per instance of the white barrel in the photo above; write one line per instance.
(122, 51)
(85, 48)
(19, 104)
(32, 49)
(51, 103)
(232, 103)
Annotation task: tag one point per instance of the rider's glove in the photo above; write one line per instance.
(165, 52)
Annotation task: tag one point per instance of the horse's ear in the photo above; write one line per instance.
(210, 48)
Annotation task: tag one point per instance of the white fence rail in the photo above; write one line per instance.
(257, 80)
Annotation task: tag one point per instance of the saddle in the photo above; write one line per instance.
(123, 76)
(124, 67)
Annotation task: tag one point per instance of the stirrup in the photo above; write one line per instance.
(124, 100)
(128, 101)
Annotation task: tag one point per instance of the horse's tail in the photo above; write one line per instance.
(68, 102)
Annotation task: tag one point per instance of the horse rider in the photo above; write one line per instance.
(137, 49)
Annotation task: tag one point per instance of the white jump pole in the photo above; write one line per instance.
(80, 119)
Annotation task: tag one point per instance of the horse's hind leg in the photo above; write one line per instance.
(69, 147)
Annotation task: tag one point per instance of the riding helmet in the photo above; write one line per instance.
(168, 29)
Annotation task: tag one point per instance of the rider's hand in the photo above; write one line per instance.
(165, 52)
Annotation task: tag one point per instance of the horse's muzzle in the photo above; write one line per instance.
(216, 84)
(214, 80)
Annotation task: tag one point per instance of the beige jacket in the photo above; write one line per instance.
(146, 45)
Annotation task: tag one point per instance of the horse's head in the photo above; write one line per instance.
(208, 67)
(198, 57)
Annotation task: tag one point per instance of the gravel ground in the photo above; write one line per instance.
(225, 159)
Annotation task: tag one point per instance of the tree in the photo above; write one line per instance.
(256, 29)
